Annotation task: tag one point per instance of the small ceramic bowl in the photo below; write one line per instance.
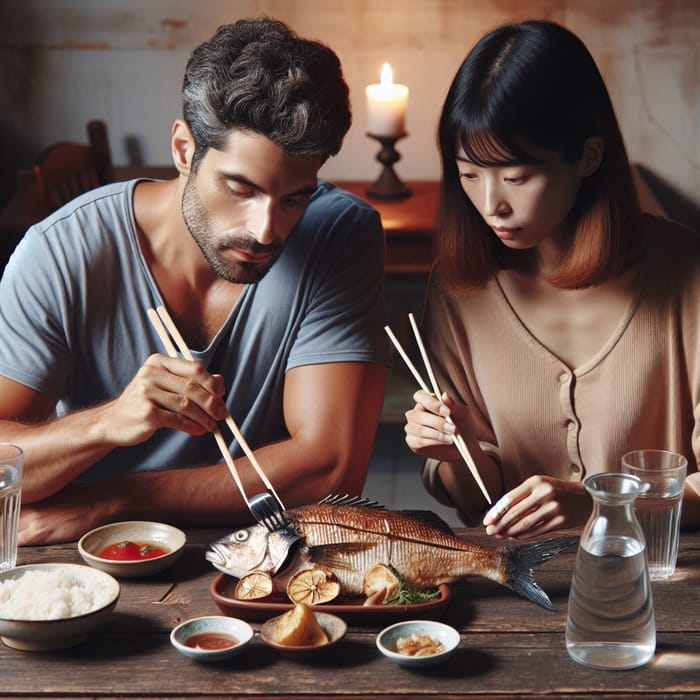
(40, 592)
(389, 637)
(334, 627)
(161, 535)
(211, 638)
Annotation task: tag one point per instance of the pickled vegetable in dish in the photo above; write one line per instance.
(131, 551)
(419, 645)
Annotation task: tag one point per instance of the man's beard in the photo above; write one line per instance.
(199, 225)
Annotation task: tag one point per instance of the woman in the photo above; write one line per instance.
(562, 322)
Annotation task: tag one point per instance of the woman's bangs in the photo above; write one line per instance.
(485, 149)
(487, 143)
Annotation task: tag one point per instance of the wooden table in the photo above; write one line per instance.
(510, 648)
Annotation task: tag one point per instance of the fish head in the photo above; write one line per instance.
(252, 548)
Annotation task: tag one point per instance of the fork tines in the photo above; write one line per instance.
(267, 511)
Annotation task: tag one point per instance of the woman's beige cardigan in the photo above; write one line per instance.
(535, 415)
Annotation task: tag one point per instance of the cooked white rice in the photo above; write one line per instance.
(52, 595)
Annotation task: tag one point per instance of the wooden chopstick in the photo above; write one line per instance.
(407, 360)
(457, 439)
(160, 318)
(172, 352)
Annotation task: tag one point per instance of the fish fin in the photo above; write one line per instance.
(336, 556)
(521, 559)
(429, 518)
(335, 499)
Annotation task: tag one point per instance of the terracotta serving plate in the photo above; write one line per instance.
(350, 609)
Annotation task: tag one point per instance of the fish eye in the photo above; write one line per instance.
(240, 535)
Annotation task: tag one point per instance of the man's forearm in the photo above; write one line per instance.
(209, 495)
(57, 450)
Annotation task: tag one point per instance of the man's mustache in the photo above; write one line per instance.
(250, 244)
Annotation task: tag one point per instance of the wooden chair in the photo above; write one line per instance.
(64, 171)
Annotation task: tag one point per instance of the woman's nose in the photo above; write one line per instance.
(495, 203)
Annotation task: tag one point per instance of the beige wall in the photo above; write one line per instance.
(63, 62)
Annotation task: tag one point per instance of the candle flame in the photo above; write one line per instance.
(386, 76)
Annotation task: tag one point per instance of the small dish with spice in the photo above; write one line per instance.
(132, 548)
(418, 642)
(211, 638)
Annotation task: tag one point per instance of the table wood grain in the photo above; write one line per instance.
(509, 649)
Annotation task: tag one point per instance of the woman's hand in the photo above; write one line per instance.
(540, 504)
(430, 427)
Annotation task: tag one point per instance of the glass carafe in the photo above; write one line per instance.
(610, 622)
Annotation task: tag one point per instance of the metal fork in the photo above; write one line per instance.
(266, 507)
(268, 511)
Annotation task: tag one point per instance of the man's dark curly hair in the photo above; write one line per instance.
(259, 76)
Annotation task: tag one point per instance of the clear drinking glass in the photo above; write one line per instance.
(11, 461)
(659, 509)
(610, 620)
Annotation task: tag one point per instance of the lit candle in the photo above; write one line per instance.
(386, 106)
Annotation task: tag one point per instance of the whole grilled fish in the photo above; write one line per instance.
(350, 535)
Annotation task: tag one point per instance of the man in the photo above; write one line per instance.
(273, 279)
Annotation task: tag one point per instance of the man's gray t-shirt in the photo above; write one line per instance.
(73, 320)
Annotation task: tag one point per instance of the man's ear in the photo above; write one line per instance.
(592, 155)
(182, 146)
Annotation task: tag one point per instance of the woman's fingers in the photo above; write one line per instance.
(521, 510)
(423, 428)
(540, 504)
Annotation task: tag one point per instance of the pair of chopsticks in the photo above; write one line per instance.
(457, 439)
(160, 319)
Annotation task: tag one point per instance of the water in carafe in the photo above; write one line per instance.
(610, 622)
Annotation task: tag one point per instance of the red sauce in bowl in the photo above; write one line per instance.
(211, 641)
(131, 551)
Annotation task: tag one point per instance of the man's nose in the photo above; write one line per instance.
(261, 222)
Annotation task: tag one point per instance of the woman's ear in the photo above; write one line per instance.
(182, 146)
(592, 155)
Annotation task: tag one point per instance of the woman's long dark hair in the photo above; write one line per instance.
(523, 86)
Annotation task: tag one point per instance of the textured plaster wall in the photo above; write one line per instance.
(63, 62)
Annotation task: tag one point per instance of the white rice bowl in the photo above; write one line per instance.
(53, 606)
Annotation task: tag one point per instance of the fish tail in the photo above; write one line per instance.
(522, 559)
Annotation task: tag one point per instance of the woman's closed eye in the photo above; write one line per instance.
(516, 180)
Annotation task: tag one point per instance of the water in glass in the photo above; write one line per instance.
(10, 487)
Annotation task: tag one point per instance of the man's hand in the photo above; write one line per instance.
(165, 393)
(64, 517)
